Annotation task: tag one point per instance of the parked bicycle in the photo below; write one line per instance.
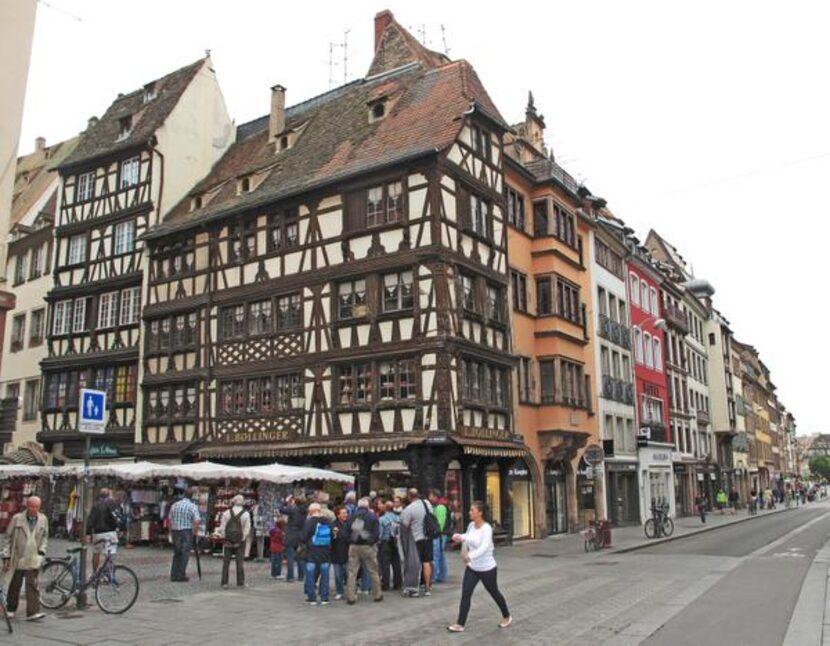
(659, 524)
(116, 586)
(592, 538)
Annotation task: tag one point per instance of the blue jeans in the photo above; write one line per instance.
(340, 571)
(439, 560)
(311, 572)
(276, 564)
(289, 557)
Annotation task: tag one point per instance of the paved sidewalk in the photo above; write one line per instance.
(553, 586)
(810, 621)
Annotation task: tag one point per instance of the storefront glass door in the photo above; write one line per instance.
(556, 501)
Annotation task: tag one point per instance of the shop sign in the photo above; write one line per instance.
(700, 477)
(680, 468)
(242, 437)
(478, 433)
(103, 451)
(660, 457)
(613, 466)
(519, 470)
(594, 454)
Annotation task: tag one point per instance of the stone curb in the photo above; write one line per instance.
(695, 532)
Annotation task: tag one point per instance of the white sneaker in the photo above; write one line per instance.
(506, 622)
(338, 597)
(35, 617)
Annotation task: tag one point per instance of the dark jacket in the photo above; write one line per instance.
(294, 525)
(340, 545)
(363, 528)
(102, 517)
(315, 553)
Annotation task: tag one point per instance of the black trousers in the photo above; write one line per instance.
(227, 552)
(471, 579)
(389, 559)
(32, 596)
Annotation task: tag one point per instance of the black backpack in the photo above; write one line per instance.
(431, 528)
(233, 528)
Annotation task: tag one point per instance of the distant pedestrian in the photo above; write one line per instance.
(276, 544)
(721, 500)
(295, 514)
(701, 507)
(388, 556)
(439, 557)
(234, 528)
(734, 500)
(26, 538)
(317, 536)
(477, 552)
(184, 524)
(340, 552)
(412, 520)
(363, 530)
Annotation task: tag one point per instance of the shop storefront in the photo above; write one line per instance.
(622, 496)
(707, 483)
(585, 493)
(656, 480)
(684, 488)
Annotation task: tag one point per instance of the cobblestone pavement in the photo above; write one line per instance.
(558, 595)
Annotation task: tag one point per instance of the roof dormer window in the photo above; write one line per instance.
(125, 125)
(196, 203)
(149, 92)
(284, 142)
(377, 109)
(243, 185)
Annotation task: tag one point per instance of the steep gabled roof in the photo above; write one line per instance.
(102, 138)
(336, 138)
(33, 176)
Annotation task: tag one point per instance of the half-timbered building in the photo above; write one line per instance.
(334, 292)
(128, 169)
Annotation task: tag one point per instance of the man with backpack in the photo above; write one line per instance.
(363, 531)
(317, 536)
(234, 528)
(102, 526)
(418, 519)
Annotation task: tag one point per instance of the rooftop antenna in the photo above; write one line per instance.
(344, 46)
(59, 10)
(444, 40)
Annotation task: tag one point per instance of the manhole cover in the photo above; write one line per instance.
(546, 556)
(166, 600)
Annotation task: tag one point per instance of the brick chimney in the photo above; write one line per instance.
(93, 121)
(276, 123)
(382, 20)
(40, 144)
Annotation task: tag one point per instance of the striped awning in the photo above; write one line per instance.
(288, 450)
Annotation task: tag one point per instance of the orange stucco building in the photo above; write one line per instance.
(552, 327)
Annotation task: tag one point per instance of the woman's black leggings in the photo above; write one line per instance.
(471, 579)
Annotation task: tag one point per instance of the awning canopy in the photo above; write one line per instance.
(198, 471)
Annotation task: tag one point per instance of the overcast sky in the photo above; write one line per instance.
(707, 122)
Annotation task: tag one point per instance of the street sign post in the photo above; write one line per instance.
(92, 404)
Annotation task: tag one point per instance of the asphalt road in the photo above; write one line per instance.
(753, 602)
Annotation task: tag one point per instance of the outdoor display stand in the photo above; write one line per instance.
(145, 482)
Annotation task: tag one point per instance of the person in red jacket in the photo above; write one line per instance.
(277, 544)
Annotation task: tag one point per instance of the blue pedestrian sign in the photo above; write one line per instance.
(91, 408)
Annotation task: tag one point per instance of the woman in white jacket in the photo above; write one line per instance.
(481, 566)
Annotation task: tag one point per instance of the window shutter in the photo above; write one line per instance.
(531, 368)
(462, 207)
(355, 217)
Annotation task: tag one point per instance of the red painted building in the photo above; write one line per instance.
(652, 409)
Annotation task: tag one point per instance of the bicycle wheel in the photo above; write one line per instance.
(116, 590)
(668, 527)
(56, 583)
(650, 528)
